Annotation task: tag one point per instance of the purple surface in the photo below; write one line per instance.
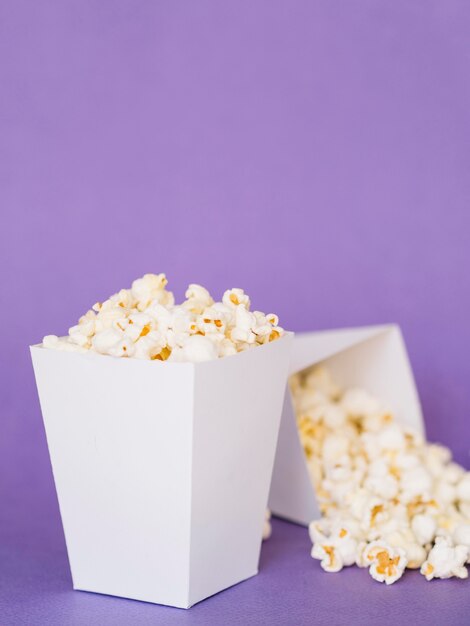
(315, 153)
(291, 588)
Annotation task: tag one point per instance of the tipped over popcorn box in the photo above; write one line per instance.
(162, 469)
(372, 358)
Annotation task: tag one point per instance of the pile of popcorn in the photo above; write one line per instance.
(144, 322)
(389, 500)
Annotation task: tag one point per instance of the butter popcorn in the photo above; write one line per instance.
(195, 349)
(445, 560)
(463, 488)
(198, 298)
(415, 555)
(150, 288)
(461, 536)
(400, 501)
(357, 403)
(387, 564)
(329, 557)
(144, 322)
(267, 529)
(338, 549)
(424, 528)
(234, 297)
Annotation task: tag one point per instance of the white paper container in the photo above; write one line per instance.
(374, 358)
(162, 469)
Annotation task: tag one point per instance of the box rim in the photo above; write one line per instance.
(90, 354)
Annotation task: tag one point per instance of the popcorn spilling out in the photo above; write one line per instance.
(144, 322)
(386, 563)
(267, 529)
(445, 560)
(389, 499)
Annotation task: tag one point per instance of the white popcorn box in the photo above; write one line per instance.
(373, 358)
(162, 470)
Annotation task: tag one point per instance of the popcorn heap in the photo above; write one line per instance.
(143, 322)
(389, 499)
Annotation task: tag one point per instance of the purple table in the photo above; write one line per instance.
(291, 588)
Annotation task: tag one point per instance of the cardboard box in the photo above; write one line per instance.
(162, 470)
(374, 358)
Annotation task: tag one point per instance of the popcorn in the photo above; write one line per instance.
(357, 402)
(334, 447)
(424, 528)
(198, 298)
(334, 545)
(402, 502)
(415, 555)
(387, 564)
(232, 298)
(105, 341)
(195, 349)
(391, 438)
(445, 491)
(461, 536)
(332, 415)
(463, 488)
(386, 485)
(143, 322)
(150, 288)
(151, 346)
(267, 529)
(375, 514)
(61, 343)
(415, 481)
(82, 333)
(328, 555)
(464, 508)
(319, 529)
(319, 379)
(345, 543)
(446, 560)
(226, 348)
(244, 324)
(361, 560)
(123, 347)
(452, 473)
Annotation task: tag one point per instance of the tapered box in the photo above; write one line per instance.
(373, 358)
(162, 470)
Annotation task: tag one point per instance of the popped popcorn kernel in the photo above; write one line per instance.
(267, 528)
(424, 528)
(144, 322)
(163, 355)
(446, 560)
(330, 560)
(415, 554)
(235, 297)
(463, 488)
(61, 343)
(335, 546)
(387, 564)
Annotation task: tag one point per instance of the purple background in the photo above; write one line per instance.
(315, 153)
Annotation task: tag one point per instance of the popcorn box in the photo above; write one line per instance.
(373, 358)
(162, 470)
